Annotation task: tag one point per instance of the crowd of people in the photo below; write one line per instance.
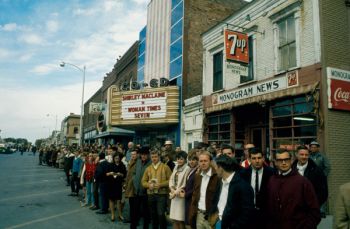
(204, 188)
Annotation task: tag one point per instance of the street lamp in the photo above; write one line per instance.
(63, 64)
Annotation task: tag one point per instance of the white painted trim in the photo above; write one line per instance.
(317, 32)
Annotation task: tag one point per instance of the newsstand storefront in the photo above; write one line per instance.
(153, 113)
(280, 112)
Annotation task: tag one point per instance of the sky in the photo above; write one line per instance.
(37, 35)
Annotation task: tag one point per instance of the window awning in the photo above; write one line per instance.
(266, 97)
(116, 132)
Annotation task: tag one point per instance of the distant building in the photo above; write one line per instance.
(70, 129)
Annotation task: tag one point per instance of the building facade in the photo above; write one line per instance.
(335, 64)
(70, 130)
(170, 55)
(96, 129)
(265, 73)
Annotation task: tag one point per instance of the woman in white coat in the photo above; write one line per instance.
(177, 183)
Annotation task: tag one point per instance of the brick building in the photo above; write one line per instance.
(95, 127)
(335, 55)
(267, 71)
(170, 51)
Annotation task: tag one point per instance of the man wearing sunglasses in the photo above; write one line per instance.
(292, 202)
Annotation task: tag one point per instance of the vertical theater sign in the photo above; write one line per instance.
(338, 89)
(146, 106)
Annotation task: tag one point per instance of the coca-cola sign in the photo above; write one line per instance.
(338, 89)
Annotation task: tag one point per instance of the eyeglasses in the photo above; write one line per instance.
(280, 160)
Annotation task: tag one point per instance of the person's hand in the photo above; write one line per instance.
(151, 186)
(182, 193)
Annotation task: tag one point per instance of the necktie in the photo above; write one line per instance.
(256, 182)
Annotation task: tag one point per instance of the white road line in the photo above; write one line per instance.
(30, 175)
(44, 219)
(31, 195)
(36, 182)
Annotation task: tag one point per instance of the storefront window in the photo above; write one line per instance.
(219, 128)
(293, 123)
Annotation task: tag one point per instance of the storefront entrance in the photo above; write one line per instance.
(258, 136)
(251, 126)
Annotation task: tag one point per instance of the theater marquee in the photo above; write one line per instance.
(147, 106)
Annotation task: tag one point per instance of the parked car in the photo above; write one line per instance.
(3, 148)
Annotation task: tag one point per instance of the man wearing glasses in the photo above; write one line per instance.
(292, 202)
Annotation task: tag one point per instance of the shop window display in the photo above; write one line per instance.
(219, 128)
(293, 123)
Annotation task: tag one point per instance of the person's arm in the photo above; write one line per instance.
(312, 213)
(165, 183)
(82, 175)
(327, 166)
(145, 179)
(341, 218)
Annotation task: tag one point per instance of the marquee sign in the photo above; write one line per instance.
(147, 106)
(338, 89)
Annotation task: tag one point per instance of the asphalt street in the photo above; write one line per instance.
(34, 196)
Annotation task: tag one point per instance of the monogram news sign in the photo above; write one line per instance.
(261, 88)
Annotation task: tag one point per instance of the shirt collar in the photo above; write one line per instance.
(286, 173)
(259, 171)
(209, 173)
(228, 179)
(302, 166)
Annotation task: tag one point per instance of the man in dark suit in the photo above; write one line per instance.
(101, 179)
(234, 199)
(308, 168)
(258, 175)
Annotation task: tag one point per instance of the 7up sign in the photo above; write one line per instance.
(236, 46)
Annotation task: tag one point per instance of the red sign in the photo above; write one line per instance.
(339, 96)
(236, 45)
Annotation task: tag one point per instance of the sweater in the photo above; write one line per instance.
(292, 202)
(159, 174)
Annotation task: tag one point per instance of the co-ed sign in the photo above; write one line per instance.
(236, 46)
(147, 106)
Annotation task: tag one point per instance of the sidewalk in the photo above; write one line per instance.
(326, 223)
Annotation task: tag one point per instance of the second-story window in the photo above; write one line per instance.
(250, 77)
(217, 72)
(76, 130)
(287, 44)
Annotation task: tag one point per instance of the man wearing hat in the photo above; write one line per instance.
(320, 159)
(169, 150)
(323, 163)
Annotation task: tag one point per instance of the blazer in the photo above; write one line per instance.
(260, 212)
(238, 212)
(209, 195)
(317, 178)
(342, 208)
(261, 198)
